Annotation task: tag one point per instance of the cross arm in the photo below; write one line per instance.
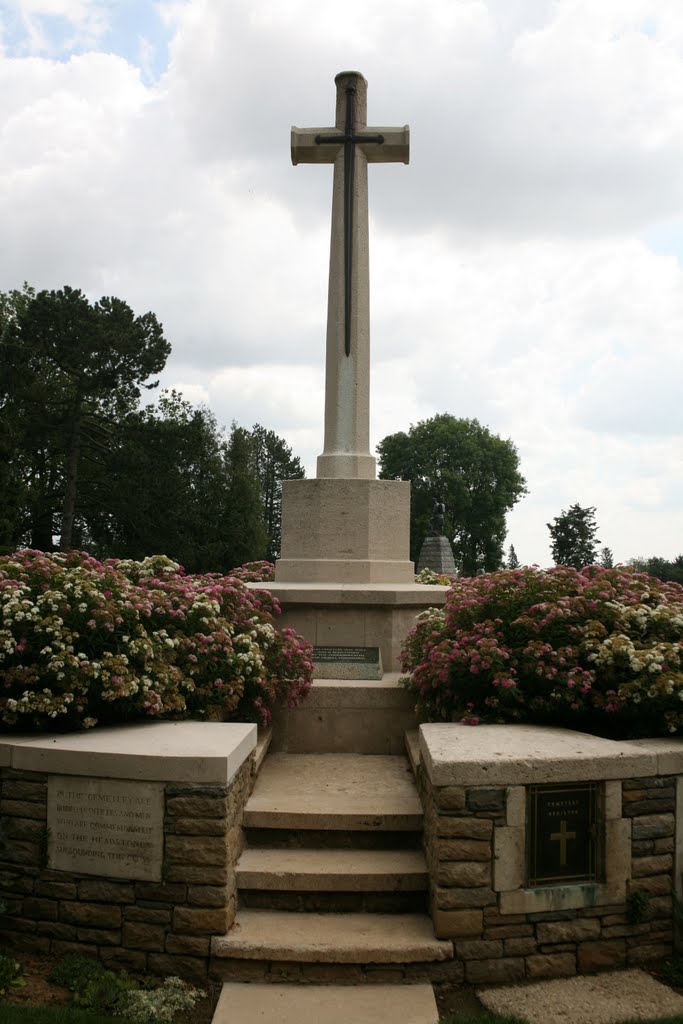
(305, 150)
(394, 149)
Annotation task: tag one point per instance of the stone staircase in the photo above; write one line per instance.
(333, 891)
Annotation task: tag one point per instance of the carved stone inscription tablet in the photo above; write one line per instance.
(109, 827)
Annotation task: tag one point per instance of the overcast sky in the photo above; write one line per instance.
(525, 267)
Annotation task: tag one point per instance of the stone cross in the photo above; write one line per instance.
(350, 146)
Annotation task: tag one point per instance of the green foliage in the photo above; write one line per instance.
(75, 971)
(432, 578)
(573, 537)
(512, 560)
(106, 991)
(274, 462)
(599, 651)
(494, 1018)
(12, 975)
(472, 471)
(54, 1015)
(173, 458)
(98, 989)
(637, 906)
(71, 431)
(607, 558)
(245, 530)
(220, 496)
(479, 1018)
(661, 568)
(83, 641)
(254, 572)
(70, 370)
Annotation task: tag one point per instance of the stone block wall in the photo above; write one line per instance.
(162, 928)
(502, 932)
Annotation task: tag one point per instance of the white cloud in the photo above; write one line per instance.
(511, 279)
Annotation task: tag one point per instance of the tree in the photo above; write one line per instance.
(274, 462)
(173, 458)
(513, 561)
(78, 457)
(70, 371)
(607, 558)
(573, 537)
(245, 530)
(13, 428)
(662, 568)
(473, 472)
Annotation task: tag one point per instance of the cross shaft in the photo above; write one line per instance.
(349, 140)
(350, 146)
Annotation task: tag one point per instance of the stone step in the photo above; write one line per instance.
(332, 870)
(326, 1004)
(329, 839)
(331, 938)
(334, 791)
(264, 739)
(412, 745)
(405, 901)
(348, 716)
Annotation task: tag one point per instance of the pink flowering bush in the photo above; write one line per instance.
(600, 650)
(254, 572)
(85, 642)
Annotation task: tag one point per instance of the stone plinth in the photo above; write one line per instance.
(436, 554)
(193, 752)
(341, 716)
(497, 755)
(121, 843)
(345, 531)
(481, 829)
(342, 614)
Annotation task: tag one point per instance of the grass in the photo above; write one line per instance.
(479, 1018)
(53, 1015)
(492, 1018)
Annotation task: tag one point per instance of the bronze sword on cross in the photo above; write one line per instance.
(349, 140)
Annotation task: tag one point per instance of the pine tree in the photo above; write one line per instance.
(573, 537)
(607, 558)
(512, 560)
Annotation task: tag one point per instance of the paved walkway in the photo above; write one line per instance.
(328, 1004)
(597, 999)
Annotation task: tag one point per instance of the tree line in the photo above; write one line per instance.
(574, 542)
(84, 464)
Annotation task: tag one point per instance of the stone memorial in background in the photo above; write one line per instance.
(436, 552)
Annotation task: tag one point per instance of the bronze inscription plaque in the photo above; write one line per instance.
(563, 834)
(355, 655)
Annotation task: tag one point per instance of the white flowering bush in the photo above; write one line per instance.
(83, 642)
(158, 1004)
(433, 578)
(600, 650)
